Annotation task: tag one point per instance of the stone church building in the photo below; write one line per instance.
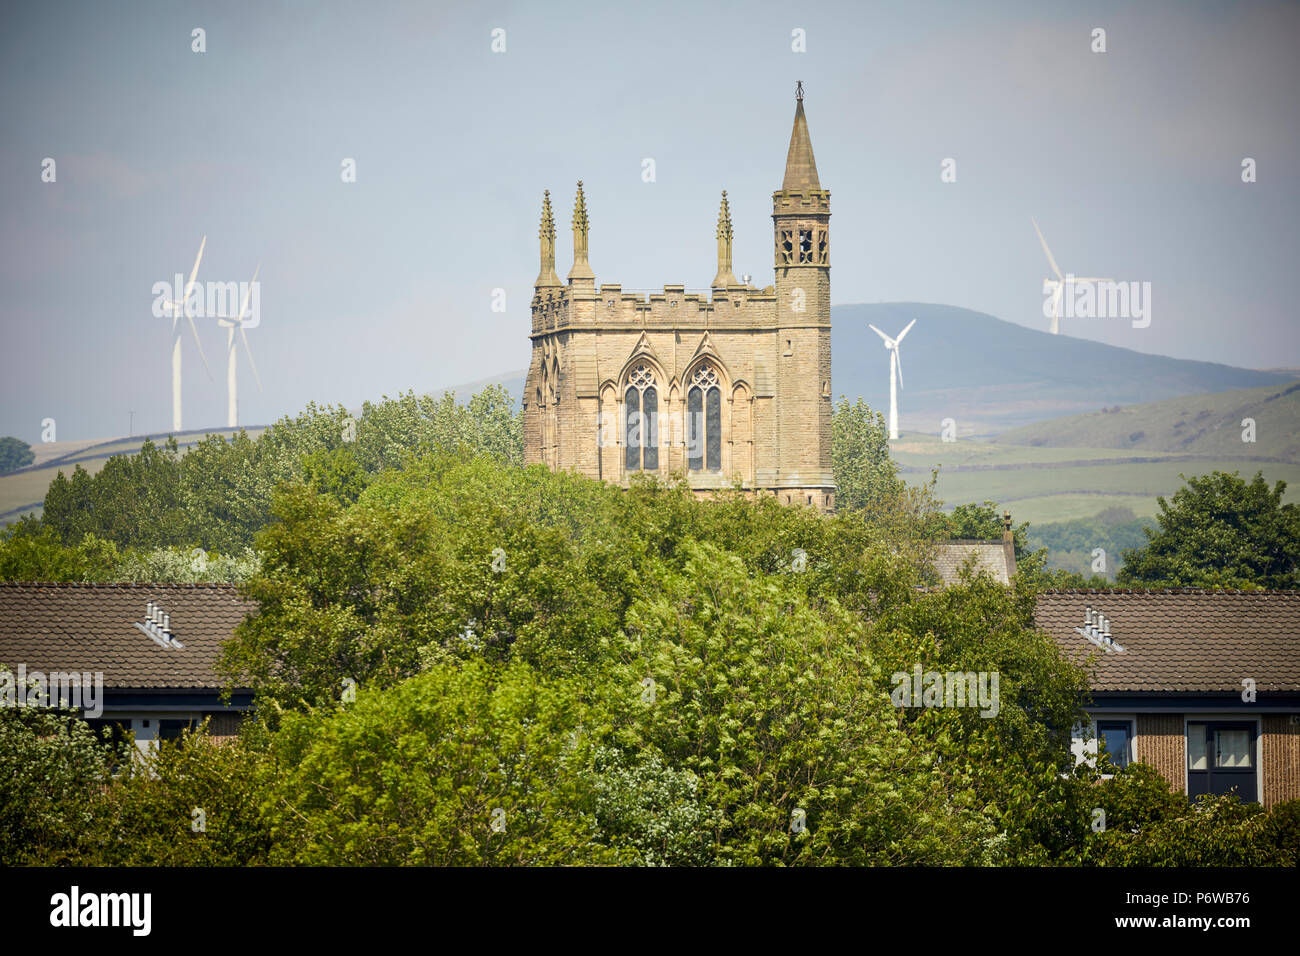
(729, 388)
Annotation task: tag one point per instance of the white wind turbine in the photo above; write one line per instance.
(895, 374)
(177, 309)
(230, 323)
(1057, 286)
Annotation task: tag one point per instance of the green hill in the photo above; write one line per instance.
(1048, 484)
(1208, 424)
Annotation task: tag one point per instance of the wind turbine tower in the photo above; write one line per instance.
(895, 374)
(177, 309)
(241, 322)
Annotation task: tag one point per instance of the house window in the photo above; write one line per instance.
(1115, 737)
(174, 729)
(1221, 759)
(704, 421)
(641, 406)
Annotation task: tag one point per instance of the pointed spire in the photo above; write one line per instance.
(547, 277)
(800, 167)
(725, 277)
(581, 229)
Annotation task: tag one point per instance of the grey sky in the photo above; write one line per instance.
(1130, 160)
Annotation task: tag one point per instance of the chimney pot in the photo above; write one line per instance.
(167, 622)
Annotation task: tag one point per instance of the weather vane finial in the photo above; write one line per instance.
(798, 90)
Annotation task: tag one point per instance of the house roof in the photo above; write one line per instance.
(1182, 640)
(91, 628)
(994, 557)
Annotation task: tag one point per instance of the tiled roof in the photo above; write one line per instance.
(990, 556)
(91, 627)
(1182, 639)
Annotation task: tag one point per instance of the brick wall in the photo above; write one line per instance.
(1160, 743)
(1280, 758)
(224, 726)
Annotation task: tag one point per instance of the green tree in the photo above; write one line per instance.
(191, 802)
(459, 766)
(51, 766)
(1147, 824)
(184, 566)
(42, 556)
(218, 495)
(1220, 531)
(775, 703)
(982, 522)
(866, 475)
(14, 453)
(134, 500)
(405, 577)
(653, 812)
(335, 472)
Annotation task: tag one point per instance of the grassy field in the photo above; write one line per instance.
(22, 492)
(1045, 484)
(1207, 424)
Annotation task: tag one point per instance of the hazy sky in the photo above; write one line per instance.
(1130, 160)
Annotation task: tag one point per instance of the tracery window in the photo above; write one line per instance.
(641, 408)
(785, 247)
(704, 421)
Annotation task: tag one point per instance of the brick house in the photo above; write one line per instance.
(154, 644)
(1202, 685)
(994, 557)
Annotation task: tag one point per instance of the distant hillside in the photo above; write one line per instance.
(987, 374)
(1196, 424)
(991, 376)
(512, 381)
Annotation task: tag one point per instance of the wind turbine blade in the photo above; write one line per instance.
(900, 335)
(243, 306)
(1055, 267)
(195, 271)
(878, 332)
(189, 318)
(251, 364)
(898, 363)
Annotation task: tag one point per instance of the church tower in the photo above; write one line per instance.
(727, 385)
(801, 212)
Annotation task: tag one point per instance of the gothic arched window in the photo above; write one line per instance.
(704, 421)
(641, 408)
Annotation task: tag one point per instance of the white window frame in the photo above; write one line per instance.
(1084, 747)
